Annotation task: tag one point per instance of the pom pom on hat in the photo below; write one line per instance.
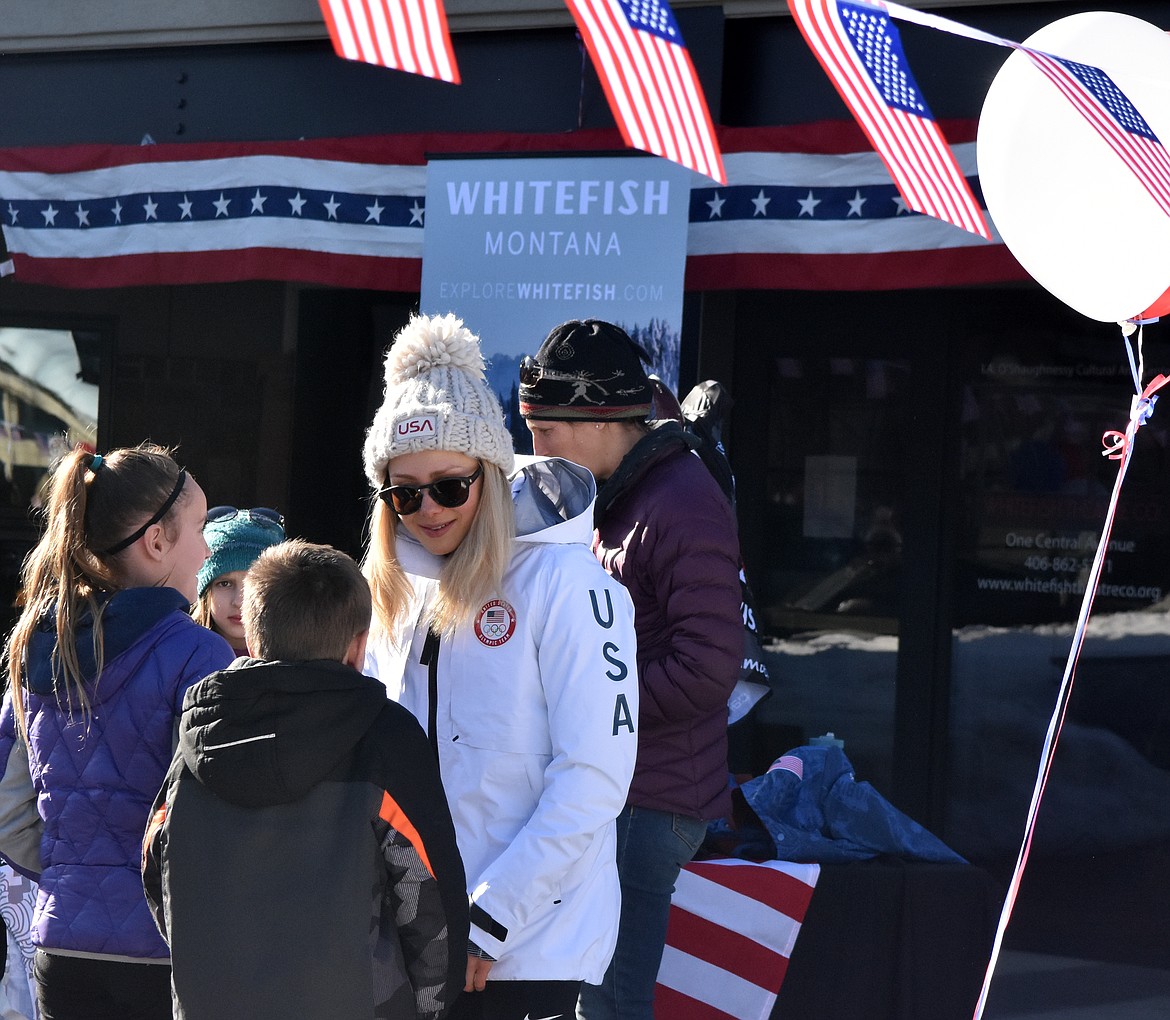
(235, 544)
(437, 398)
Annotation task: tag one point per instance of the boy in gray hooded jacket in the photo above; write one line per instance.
(301, 859)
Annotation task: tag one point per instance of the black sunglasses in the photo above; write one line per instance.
(531, 373)
(447, 492)
(263, 514)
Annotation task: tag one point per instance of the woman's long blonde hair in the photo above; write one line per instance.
(66, 574)
(470, 576)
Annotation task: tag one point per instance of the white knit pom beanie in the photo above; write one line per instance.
(437, 398)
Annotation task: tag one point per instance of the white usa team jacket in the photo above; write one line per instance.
(533, 712)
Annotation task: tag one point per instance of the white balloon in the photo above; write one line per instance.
(1067, 207)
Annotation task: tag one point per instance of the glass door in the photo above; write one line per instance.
(1034, 410)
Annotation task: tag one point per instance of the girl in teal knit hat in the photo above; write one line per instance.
(235, 538)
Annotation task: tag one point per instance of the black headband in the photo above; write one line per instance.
(158, 516)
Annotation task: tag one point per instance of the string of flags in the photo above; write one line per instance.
(658, 103)
(861, 52)
(642, 62)
(649, 80)
(405, 35)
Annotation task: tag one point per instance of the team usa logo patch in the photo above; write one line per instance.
(422, 426)
(496, 623)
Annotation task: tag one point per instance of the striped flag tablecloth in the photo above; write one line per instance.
(733, 925)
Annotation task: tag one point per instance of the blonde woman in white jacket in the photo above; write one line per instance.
(495, 625)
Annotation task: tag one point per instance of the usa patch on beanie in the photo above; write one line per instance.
(586, 369)
(437, 398)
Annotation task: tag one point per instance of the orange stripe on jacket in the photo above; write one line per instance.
(396, 818)
(156, 823)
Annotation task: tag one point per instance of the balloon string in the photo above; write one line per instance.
(1133, 368)
(1141, 407)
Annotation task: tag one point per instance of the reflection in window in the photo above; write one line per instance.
(48, 404)
(835, 490)
(1039, 488)
(830, 589)
(1036, 494)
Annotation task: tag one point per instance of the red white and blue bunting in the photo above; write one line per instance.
(807, 207)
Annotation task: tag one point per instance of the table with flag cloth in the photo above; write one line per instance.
(883, 938)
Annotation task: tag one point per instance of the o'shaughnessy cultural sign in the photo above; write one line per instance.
(516, 246)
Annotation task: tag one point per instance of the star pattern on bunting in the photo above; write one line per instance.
(251, 202)
(768, 203)
(793, 202)
(808, 204)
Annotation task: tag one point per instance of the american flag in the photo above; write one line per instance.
(649, 80)
(790, 762)
(407, 35)
(1098, 99)
(861, 52)
(733, 926)
(1092, 92)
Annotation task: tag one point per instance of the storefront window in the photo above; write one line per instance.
(927, 506)
(48, 404)
(831, 592)
(49, 384)
(1036, 492)
(835, 493)
(1039, 488)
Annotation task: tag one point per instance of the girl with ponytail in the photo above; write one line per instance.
(98, 663)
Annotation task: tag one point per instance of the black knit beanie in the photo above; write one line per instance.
(586, 370)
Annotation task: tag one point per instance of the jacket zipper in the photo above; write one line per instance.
(430, 659)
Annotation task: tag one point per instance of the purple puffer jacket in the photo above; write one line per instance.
(94, 783)
(666, 531)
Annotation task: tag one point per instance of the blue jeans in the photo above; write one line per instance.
(651, 848)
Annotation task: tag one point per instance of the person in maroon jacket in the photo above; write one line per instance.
(667, 532)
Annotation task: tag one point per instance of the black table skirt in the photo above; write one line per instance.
(892, 940)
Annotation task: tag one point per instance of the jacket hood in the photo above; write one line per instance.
(553, 503)
(553, 500)
(125, 617)
(264, 733)
(663, 440)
